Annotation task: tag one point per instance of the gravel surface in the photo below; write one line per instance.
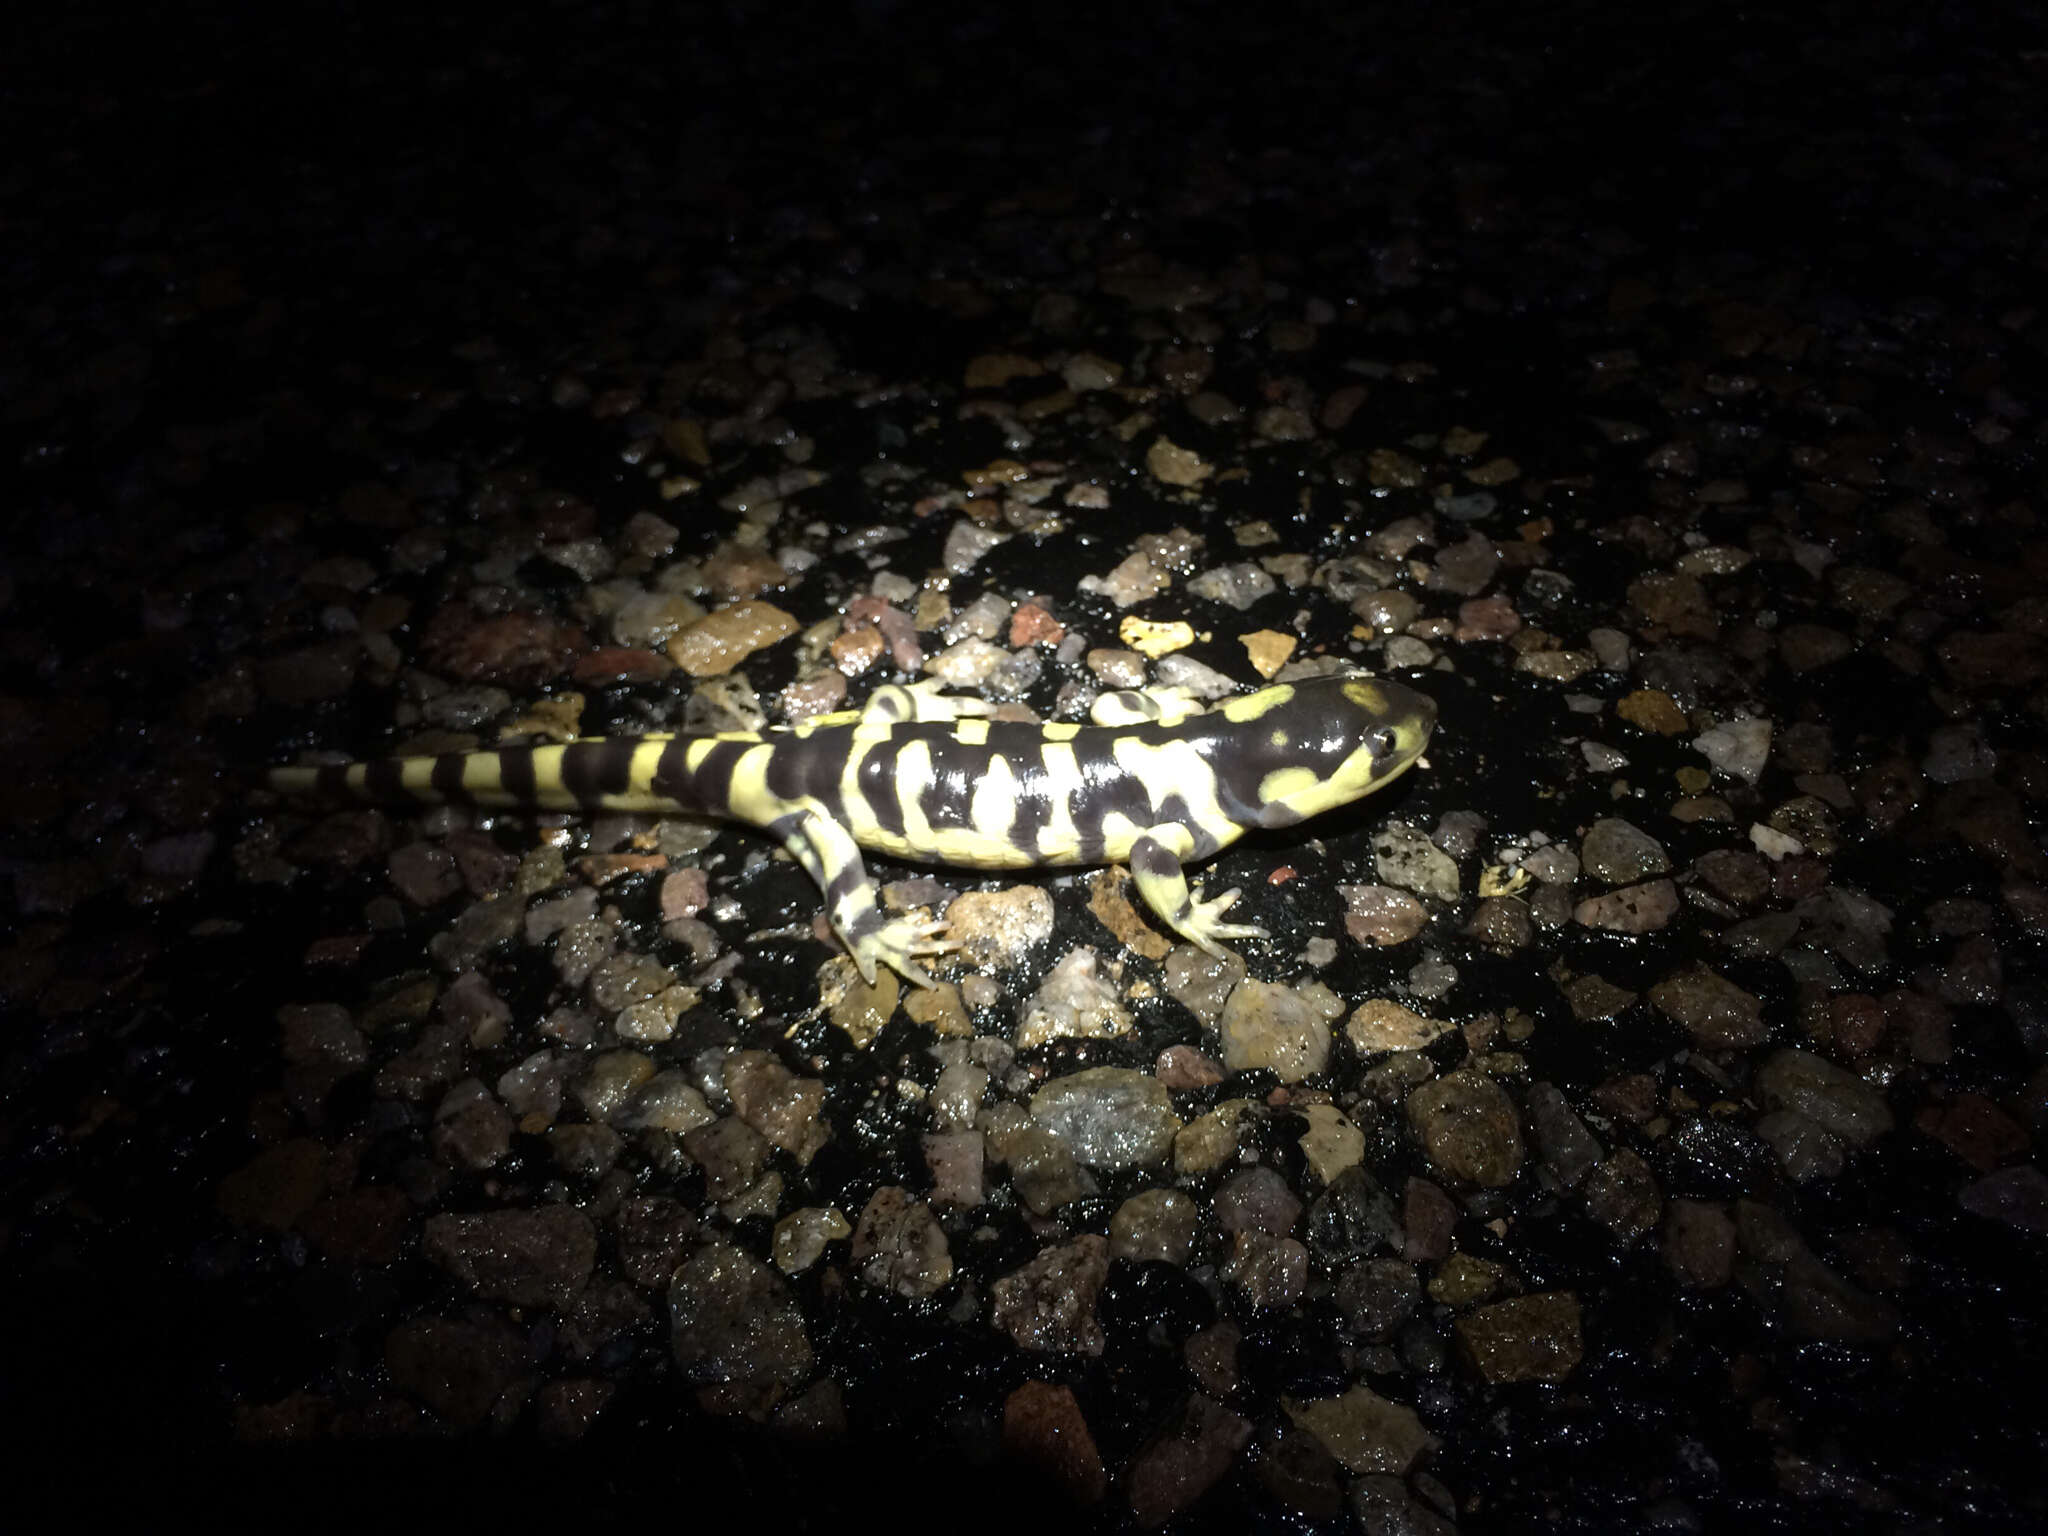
(1628, 1123)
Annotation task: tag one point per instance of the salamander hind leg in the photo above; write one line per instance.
(829, 854)
(899, 943)
(1156, 869)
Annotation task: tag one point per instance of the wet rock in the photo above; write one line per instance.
(732, 1154)
(1617, 852)
(610, 1081)
(1808, 647)
(1364, 1431)
(1175, 1469)
(1652, 709)
(1805, 1149)
(1568, 1149)
(1973, 973)
(1595, 997)
(732, 1319)
(956, 1097)
(1468, 1127)
(1210, 1141)
(1111, 1117)
(1172, 464)
(465, 1371)
(1826, 1094)
(1428, 1216)
(471, 1006)
(1467, 567)
(652, 1233)
(583, 1150)
(1464, 1279)
(1382, 1506)
(1987, 817)
(996, 928)
(1237, 586)
(1043, 1168)
(1502, 924)
(345, 840)
(1109, 899)
(1202, 983)
(802, 1236)
(899, 1246)
(435, 1059)
(860, 1009)
(966, 543)
(276, 1187)
(1527, 1338)
(722, 639)
(526, 1257)
(1182, 1067)
(1048, 1306)
(2014, 1197)
(1699, 1243)
(308, 676)
(322, 1036)
(520, 649)
(1383, 1025)
(1735, 873)
(1958, 752)
(1155, 1224)
(1332, 1143)
(1297, 1472)
(1622, 1194)
(1738, 747)
(1132, 580)
(1377, 914)
(1808, 822)
(1979, 661)
(1283, 1029)
(1270, 1272)
(1714, 1011)
(1257, 1200)
(471, 1129)
(1045, 1431)
(1975, 1129)
(1404, 856)
(1815, 1301)
(784, 1108)
(1642, 908)
(1761, 936)
(483, 927)
(1352, 1218)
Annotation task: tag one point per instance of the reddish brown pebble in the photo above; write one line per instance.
(603, 868)
(340, 949)
(620, 664)
(1182, 1067)
(684, 893)
(1975, 1129)
(1032, 625)
(1855, 1023)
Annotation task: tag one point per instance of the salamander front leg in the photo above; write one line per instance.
(1155, 866)
(829, 854)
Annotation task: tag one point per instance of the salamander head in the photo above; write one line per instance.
(1317, 745)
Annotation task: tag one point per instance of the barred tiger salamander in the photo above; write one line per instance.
(1154, 781)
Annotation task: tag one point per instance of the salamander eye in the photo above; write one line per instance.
(1382, 742)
